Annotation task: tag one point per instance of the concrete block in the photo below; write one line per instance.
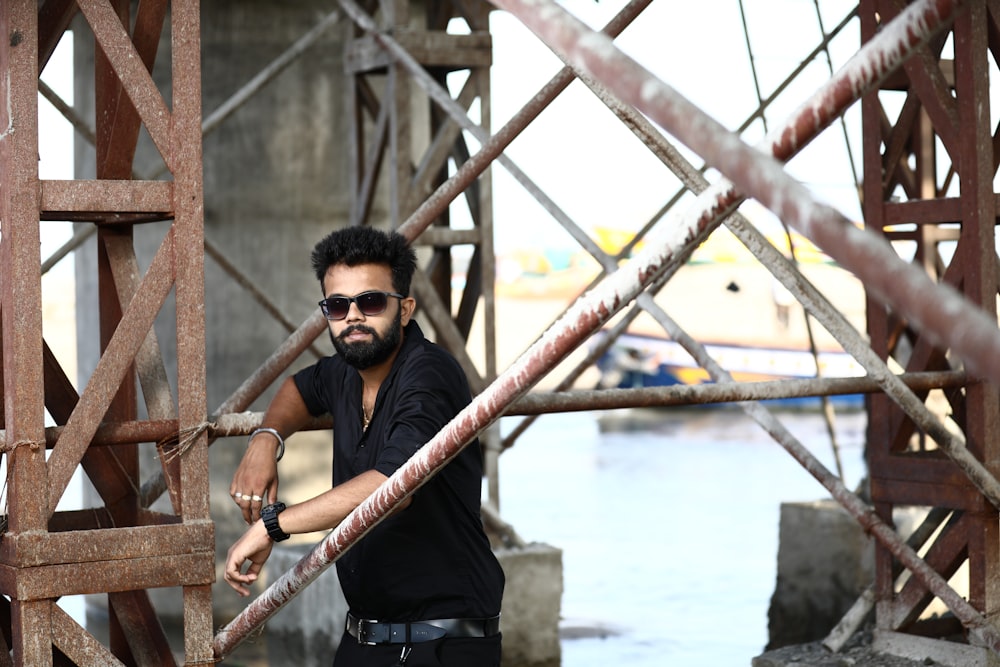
(825, 561)
(933, 651)
(307, 630)
(531, 605)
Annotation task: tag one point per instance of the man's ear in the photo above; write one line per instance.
(407, 306)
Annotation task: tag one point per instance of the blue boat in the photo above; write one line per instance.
(638, 360)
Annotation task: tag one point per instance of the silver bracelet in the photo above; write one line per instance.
(281, 441)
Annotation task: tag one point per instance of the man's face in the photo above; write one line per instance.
(363, 340)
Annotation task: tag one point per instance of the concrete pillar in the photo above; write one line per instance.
(529, 618)
(825, 562)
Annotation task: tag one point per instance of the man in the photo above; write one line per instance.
(423, 587)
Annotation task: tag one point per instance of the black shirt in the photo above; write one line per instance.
(431, 560)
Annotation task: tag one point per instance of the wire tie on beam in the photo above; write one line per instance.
(35, 445)
(174, 446)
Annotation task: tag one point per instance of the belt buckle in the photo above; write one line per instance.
(363, 632)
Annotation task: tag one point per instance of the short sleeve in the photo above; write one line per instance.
(316, 384)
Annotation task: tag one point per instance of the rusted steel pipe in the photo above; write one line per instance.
(721, 392)
(120, 433)
(241, 424)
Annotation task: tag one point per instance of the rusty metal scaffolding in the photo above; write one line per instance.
(121, 549)
(929, 178)
(946, 342)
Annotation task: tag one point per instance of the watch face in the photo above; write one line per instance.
(273, 508)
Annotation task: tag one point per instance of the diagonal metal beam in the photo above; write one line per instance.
(136, 81)
(110, 371)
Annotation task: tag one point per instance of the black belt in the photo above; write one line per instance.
(377, 632)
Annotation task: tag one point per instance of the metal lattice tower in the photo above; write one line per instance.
(120, 549)
(930, 165)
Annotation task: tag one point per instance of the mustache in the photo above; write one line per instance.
(357, 327)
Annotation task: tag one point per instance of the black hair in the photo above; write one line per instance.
(352, 246)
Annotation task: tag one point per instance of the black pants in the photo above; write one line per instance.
(447, 652)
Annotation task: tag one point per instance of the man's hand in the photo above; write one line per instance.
(255, 482)
(254, 547)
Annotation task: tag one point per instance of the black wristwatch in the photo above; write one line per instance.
(269, 515)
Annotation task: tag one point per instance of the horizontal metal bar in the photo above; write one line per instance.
(106, 576)
(33, 549)
(723, 392)
(119, 197)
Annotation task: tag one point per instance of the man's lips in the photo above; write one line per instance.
(356, 333)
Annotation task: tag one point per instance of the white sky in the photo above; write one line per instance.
(55, 140)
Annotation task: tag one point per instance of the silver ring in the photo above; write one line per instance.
(237, 495)
(256, 499)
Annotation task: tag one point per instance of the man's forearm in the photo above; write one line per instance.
(328, 509)
(286, 414)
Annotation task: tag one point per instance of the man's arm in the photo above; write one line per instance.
(257, 474)
(323, 512)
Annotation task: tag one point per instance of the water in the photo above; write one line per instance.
(668, 522)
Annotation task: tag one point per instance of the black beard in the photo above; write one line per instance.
(374, 352)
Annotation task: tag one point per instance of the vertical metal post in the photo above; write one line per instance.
(21, 306)
(189, 234)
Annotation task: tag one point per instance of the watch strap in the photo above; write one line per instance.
(269, 515)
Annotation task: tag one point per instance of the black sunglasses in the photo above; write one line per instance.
(369, 303)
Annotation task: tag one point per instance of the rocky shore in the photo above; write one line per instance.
(858, 652)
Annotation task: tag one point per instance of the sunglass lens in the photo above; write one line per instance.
(337, 307)
(372, 303)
